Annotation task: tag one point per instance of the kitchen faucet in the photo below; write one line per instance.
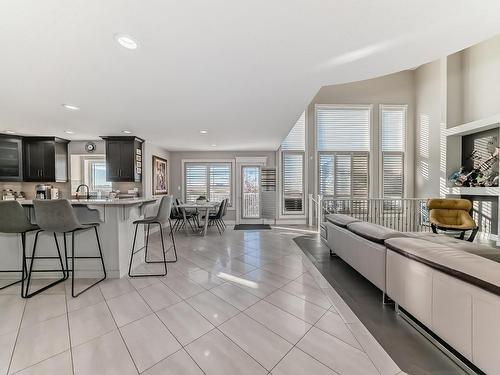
(78, 189)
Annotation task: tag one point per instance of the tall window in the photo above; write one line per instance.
(292, 169)
(210, 180)
(343, 144)
(392, 147)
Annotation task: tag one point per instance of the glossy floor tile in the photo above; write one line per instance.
(217, 355)
(262, 344)
(106, 352)
(40, 341)
(280, 322)
(184, 322)
(246, 302)
(298, 362)
(179, 363)
(149, 341)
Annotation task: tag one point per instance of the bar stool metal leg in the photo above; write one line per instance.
(23, 269)
(164, 261)
(73, 257)
(162, 244)
(33, 257)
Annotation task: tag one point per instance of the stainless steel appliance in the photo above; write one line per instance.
(42, 192)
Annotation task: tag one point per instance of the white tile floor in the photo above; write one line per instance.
(241, 303)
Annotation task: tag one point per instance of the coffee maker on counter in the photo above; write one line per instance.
(46, 192)
(41, 192)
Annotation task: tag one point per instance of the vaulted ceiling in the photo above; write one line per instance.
(243, 70)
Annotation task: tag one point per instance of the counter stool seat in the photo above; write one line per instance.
(14, 220)
(161, 217)
(58, 216)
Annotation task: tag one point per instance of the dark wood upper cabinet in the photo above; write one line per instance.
(45, 159)
(123, 159)
(11, 158)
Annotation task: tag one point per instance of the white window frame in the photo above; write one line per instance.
(282, 183)
(371, 152)
(381, 153)
(210, 161)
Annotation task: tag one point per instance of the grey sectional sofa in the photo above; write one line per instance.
(450, 286)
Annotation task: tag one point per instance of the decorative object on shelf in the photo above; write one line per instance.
(90, 147)
(201, 199)
(483, 174)
(480, 166)
(160, 176)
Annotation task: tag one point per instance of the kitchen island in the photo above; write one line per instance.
(116, 231)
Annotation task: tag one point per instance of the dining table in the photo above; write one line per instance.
(205, 207)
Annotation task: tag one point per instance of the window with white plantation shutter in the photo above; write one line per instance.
(196, 181)
(343, 144)
(296, 139)
(292, 169)
(343, 128)
(392, 146)
(211, 180)
(343, 174)
(293, 183)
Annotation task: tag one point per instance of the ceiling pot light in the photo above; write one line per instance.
(10, 132)
(213, 145)
(126, 41)
(203, 131)
(71, 107)
(69, 132)
(126, 131)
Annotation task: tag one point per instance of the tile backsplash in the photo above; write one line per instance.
(64, 188)
(29, 188)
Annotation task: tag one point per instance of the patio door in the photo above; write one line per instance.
(250, 193)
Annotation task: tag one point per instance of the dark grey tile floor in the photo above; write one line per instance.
(412, 352)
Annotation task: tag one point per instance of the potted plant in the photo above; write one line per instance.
(201, 199)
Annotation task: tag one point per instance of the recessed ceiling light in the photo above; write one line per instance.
(126, 131)
(126, 41)
(10, 132)
(213, 145)
(69, 132)
(71, 107)
(203, 131)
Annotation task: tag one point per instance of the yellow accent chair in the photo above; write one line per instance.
(452, 215)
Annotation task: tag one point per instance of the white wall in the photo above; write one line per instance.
(481, 80)
(428, 97)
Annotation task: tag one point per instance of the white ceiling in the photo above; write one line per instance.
(242, 69)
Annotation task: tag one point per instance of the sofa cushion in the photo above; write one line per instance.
(471, 268)
(470, 247)
(373, 232)
(341, 220)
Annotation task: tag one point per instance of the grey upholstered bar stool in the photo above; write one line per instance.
(57, 216)
(162, 216)
(14, 220)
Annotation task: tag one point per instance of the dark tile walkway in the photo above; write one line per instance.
(412, 352)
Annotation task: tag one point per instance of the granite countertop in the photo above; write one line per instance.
(102, 202)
